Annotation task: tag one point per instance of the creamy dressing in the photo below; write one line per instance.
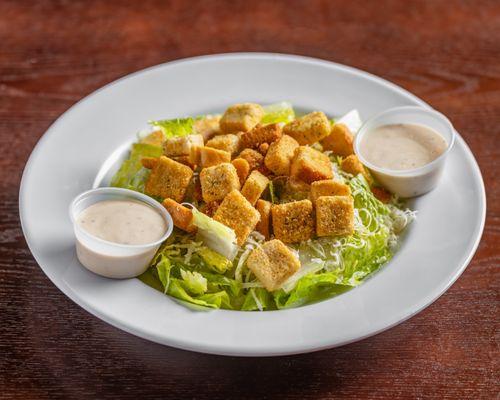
(123, 222)
(402, 146)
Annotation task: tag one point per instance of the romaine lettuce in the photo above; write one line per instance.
(175, 127)
(132, 175)
(278, 112)
(215, 235)
(193, 282)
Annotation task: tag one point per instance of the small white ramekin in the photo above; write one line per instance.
(114, 260)
(417, 181)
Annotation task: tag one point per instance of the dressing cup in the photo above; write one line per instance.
(114, 260)
(411, 182)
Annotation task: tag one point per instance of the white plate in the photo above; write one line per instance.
(84, 144)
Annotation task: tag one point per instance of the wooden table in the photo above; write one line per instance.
(54, 53)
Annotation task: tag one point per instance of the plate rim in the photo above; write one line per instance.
(478, 229)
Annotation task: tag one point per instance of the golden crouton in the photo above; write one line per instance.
(293, 222)
(238, 214)
(261, 134)
(334, 215)
(296, 189)
(168, 178)
(328, 187)
(242, 168)
(156, 138)
(181, 216)
(310, 165)
(207, 126)
(280, 154)
(149, 162)
(309, 129)
(353, 166)
(263, 148)
(210, 208)
(381, 194)
(339, 141)
(241, 117)
(264, 225)
(273, 263)
(218, 181)
(210, 157)
(254, 158)
(229, 143)
(264, 170)
(186, 160)
(254, 186)
(181, 145)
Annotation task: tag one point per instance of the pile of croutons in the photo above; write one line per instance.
(237, 157)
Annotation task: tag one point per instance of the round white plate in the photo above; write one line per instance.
(83, 146)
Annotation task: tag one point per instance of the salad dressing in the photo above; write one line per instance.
(402, 146)
(123, 222)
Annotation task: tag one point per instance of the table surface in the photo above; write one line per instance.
(54, 53)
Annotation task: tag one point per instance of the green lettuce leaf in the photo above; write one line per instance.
(258, 299)
(278, 112)
(194, 282)
(163, 268)
(208, 300)
(220, 282)
(215, 235)
(311, 288)
(175, 127)
(214, 260)
(132, 175)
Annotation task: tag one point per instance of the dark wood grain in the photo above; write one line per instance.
(52, 53)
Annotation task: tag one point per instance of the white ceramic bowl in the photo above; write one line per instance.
(417, 181)
(114, 260)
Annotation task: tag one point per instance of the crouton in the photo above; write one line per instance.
(168, 178)
(353, 166)
(149, 162)
(241, 117)
(210, 208)
(328, 187)
(263, 148)
(254, 158)
(296, 189)
(339, 141)
(261, 134)
(238, 214)
(254, 186)
(186, 160)
(381, 194)
(229, 143)
(264, 170)
(334, 216)
(155, 138)
(207, 126)
(293, 222)
(280, 154)
(310, 165)
(309, 129)
(218, 181)
(273, 263)
(210, 157)
(181, 216)
(181, 145)
(264, 225)
(193, 191)
(242, 168)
